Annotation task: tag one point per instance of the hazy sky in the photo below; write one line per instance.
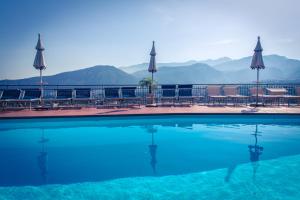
(82, 33)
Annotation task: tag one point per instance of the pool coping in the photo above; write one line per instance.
(145, 114)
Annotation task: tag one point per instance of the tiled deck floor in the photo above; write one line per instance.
(150, 110)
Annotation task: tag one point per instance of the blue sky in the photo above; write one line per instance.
(82, 33)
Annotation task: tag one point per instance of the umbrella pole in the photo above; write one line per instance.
(152, 94)
(152, 78)
(41, 86)
(152, 83)
(257, 82)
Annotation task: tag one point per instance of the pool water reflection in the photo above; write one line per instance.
(74, 150)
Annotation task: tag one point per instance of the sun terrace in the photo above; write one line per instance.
(148, 94)
(23, 100)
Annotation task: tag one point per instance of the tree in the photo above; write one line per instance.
(147, 82)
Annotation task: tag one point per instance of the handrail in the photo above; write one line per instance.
(110, 85)
(144, 92)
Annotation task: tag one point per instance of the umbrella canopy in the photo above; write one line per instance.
(257, 59)
(152, 64)
(39, 61)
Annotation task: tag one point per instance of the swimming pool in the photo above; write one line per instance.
(151, 157)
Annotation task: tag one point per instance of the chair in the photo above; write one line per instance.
(112, 96)
(168, 94)
(11, 94)
(32, 97)
(269, 95)
(32, 94)
(214, 94)
(82, 96)
(10, 98)
(275, 95)
(253, 94)
(129, 96)
(64, 97)
(293, 98)
(232, 94)
(185, 94)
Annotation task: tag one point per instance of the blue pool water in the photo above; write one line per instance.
(151, 157)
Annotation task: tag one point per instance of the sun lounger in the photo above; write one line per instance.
(129, 96)
(269, 95)
(63, 98)
(168, 95)
(10, 99)
(185, 94)
(233, 96)
(82, 97)
(32, 94)
(293, 98)
(11, 94)
(275, 95)
(260, 94)
(112, 97)
(214, 94)
(31, 97)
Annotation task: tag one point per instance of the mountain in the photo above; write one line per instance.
(223, 70)
(278, 68)
(144, 66)
(100, 74)
(196, 73)
(273, 61)
(213, 62)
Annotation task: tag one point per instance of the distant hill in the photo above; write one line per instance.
(144, 66)
(278, 69)
(196, 73)
(213, 62)
(223, 70)
(92, 75)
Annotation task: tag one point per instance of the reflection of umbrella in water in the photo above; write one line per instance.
(255, 151)
(42, 158)
(230, 171)
(152, 148)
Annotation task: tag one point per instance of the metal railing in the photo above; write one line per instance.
(198, 90)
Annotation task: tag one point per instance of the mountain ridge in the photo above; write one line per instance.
(99, 74)
(143, 66)
(278, 69)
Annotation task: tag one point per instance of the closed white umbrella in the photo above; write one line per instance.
(152, 65)
(39, 62)
(152, 68)
(257, 63)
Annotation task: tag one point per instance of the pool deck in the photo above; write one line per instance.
(196, 109)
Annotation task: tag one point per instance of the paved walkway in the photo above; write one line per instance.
(151, 110)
